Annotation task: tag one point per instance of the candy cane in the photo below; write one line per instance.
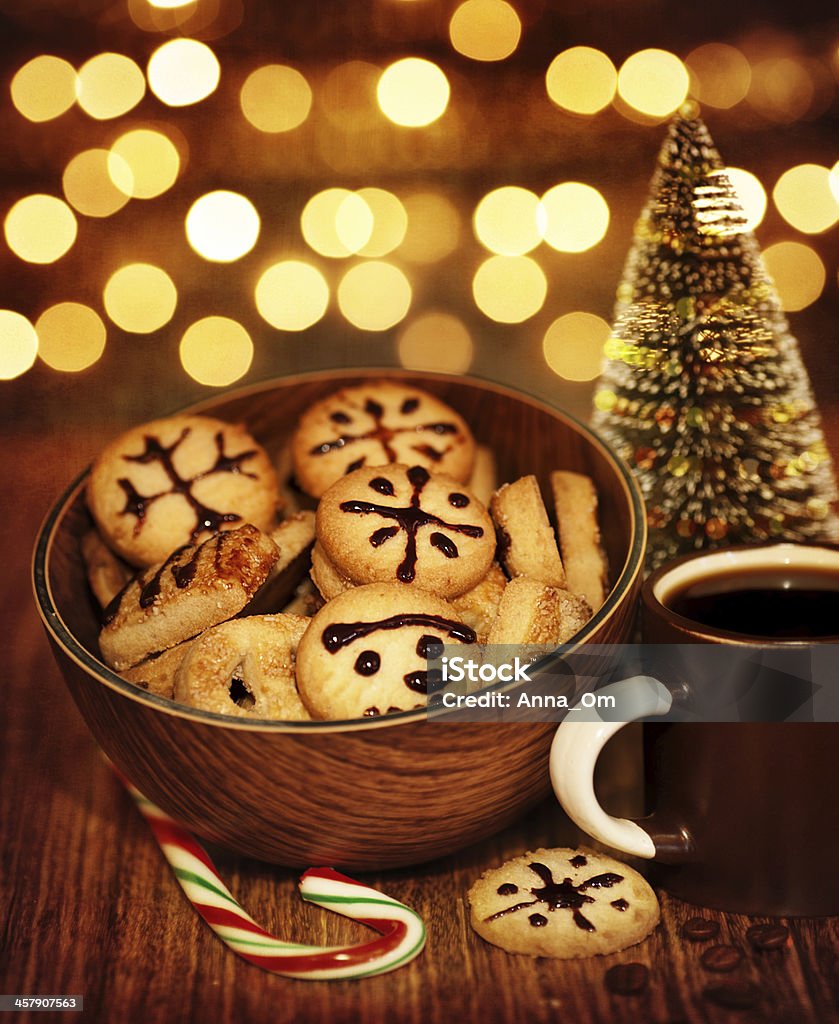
(402, 931)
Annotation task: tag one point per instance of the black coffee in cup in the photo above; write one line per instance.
(781, 602)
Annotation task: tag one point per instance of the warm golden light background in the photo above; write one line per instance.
(195, 194)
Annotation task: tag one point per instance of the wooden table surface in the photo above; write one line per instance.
(90, 907)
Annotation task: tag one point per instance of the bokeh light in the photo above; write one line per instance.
(654, 82)
(781, 89)
(40, 228)
(797, 271)
(834, 181)
(71, 336)
(436, 341)
(374, 296)
(413, 92)
(292, 295)
(18, 344)
(577, 216)
(485, 30)
(216, 351)
(573, 345)
(750, 192)
(805, 199)
(582, 80)
(44, 88)
(510, 220)
(390, 222)
(433, 228)
(151, 160)
(109, 85)
(720, 74)
(140, 298)
(183, 71)
(88, 184)
(336, 222)
(509, 289)
(168, 5)
(222, 226)
(347, 96)
(275, 98)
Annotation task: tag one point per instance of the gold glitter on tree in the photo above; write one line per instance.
(703, 391)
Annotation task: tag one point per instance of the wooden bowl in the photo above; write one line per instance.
(363, 794)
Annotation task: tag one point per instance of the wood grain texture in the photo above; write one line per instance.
(90, 906)
(380, 794)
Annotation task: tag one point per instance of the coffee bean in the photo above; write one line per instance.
(768, 936)
(733, 995)
(700, 929)
(721, 958)
(627, 979)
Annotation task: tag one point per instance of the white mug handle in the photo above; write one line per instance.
(574, 752)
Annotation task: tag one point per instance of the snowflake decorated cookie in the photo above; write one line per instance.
(402, 524)
(376, 423)
(176, 481)
(563, 903)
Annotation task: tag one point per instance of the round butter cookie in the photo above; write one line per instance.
(176, 481)
(245, 668)
(402, 524)
(364, 653)
(563, 903)
(376, 423)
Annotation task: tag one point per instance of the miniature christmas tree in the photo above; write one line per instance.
(703, 391)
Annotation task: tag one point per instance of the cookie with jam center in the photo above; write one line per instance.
(402, 524)
(374, 424)
(563, 903)
(177, 481)
(364, 654)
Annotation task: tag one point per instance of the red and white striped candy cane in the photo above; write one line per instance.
(401, 930)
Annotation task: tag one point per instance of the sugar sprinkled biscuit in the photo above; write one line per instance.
(364, 653)
(575, 503)
(245, 668)
(526, 542)
(403, 524)
(156, 674)
(373, 424)
(294, 538)
(563, 903)
(195, 588)
(528, 613)
(176, 481)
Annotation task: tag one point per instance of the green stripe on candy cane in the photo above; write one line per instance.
(402, 931)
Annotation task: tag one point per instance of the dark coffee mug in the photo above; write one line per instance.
(745, 816)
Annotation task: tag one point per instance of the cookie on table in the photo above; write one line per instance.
(195, 588)
(575, 503)
(176, 481)
(364, 653)
(156, 674)
(526, 541)
(402, 524)
(376, 423)
(478, 607)
(484, 479)
(106, 573)
(245, 668)
(563, 903)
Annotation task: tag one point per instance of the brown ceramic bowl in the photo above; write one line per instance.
(363, 794)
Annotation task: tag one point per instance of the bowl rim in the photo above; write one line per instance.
(66, 641)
